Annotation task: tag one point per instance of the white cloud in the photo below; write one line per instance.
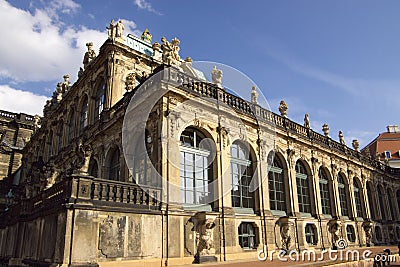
(143, 4)
(37, 47)
(15, 100)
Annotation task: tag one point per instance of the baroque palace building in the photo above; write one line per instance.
(112, 177)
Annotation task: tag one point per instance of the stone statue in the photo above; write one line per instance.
(355, 144)
(2, 135)
(175, 49)
(37, 118)
(50, 174)
(203, 226)
(216, 76)
(130, 82)
(146, 36)
(341, 138)
(170, 54)
(111, 30)
(9, 199)
(325, 130)
(157, 53)
(285, 236)
(80, 72)
(306, 121)
(254, 95)
(46, 108)
(83, 153)
(89, 55)
(119, 29)
(283, 108)
(334, 230)
(367, 226)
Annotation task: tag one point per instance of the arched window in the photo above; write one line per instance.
(371, 201)
(391, 207)
(83, 120)
(381, 201)
(195, 169)
(378, 233)
(93, 168)
(311, 234)
(60, 136)
(357, 197)
(99, 99)
(114, 165)
(49, 145)
(71, 127)
(303, 188)
(325, 192)
(276, 184)
(398, 201)
(344, 201)
(241, 174)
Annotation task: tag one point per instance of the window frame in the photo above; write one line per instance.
(276, 179)
(325, 192)
(249, 236)
(303, 188)
(242, 172)
(351, 235)
(313, 234)
(343, 196)
(188, 173)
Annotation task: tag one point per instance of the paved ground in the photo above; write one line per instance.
(311, 263)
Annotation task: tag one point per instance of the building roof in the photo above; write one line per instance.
(387, 141)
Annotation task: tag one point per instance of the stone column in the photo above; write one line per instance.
(351, 196)
(316, 189)
(336, 207)
(294, 202)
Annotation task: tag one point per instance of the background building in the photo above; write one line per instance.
(386, 147)
(15, 131)
(183, 192)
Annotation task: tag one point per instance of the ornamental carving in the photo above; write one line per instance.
(130, 82)
(203, 226)
(334, 229)
(283, 108)
(216, 76)
(170, 55)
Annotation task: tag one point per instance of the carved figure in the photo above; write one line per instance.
(170, 54)
(119, 29)
(89, 55)
(341, 138)
(175, 49)
(283, 108)
(37, 118)
(306, 121)
(2, 135)
(285, 236)
(130, 82)
(167, 49)
(355, 144)
(367, 226)
(146, 36)
(254, 95)
(325, 129)
(81, 164)
(204, 239)
(334, 230)
(216, 76)
(111, 30)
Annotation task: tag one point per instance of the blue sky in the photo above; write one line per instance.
(339, 61)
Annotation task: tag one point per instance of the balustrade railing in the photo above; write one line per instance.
(120, 192)
(207, 89)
